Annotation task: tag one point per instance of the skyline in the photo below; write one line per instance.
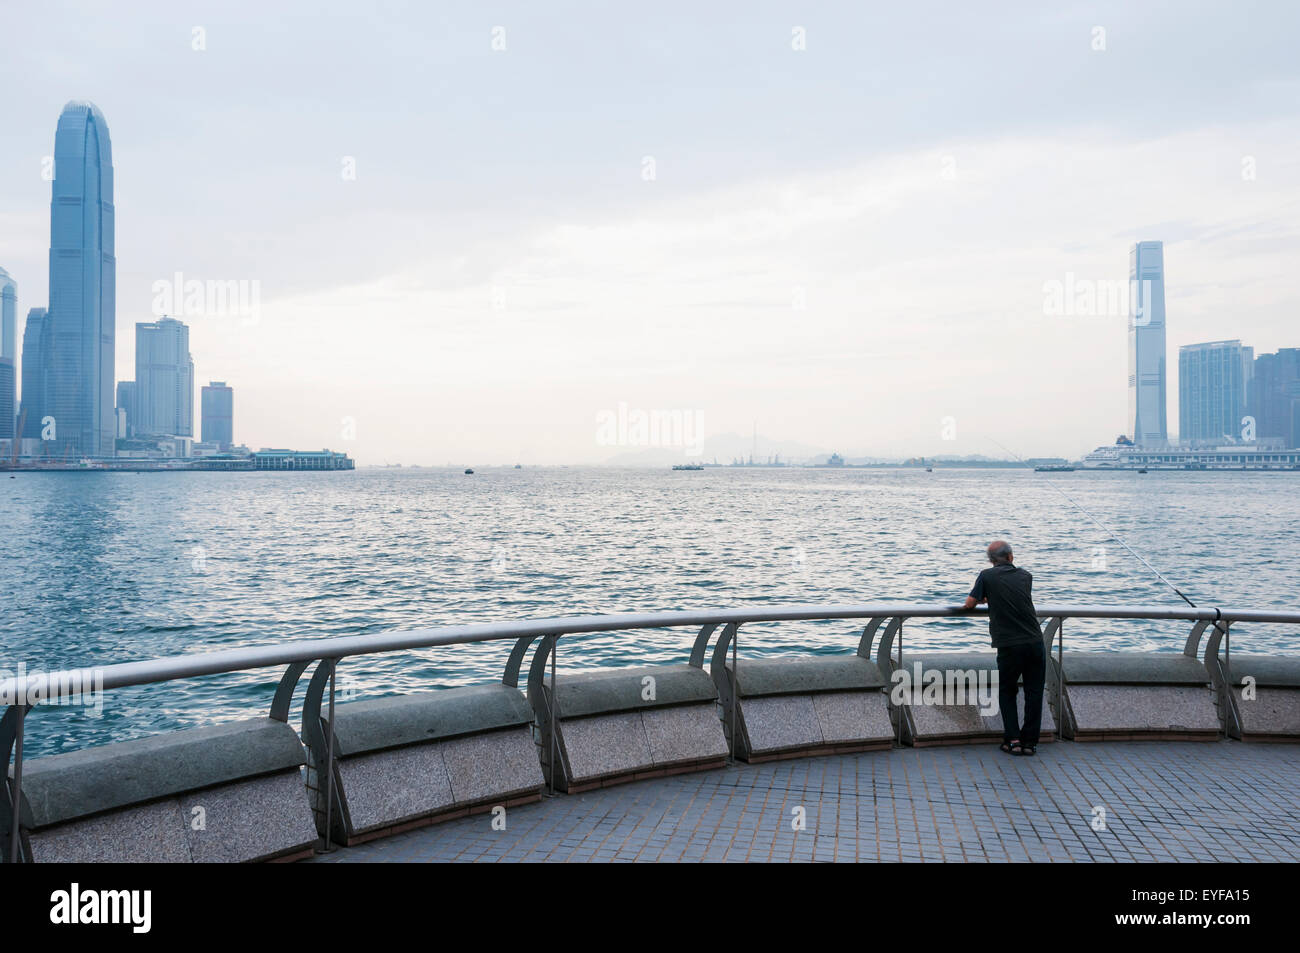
(836, 284)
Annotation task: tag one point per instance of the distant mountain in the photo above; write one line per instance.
(724, 448)
(730, 447)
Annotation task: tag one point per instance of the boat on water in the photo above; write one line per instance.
(1054, 468)
(687, 466)
(469, 470)
(1256, 457)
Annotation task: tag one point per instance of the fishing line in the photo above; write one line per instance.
(1110, 532)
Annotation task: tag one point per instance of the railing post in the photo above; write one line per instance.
(16, 818)
(735, 688)
(1232, 708)
(1060, 681)
(542, 698)
(555, 650)
(898, 728)
(283, 699)
(724, 680)
(329, 765)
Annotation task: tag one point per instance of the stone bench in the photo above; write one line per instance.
(939, 720)
(231, 792)
(409, 760)
(1118, 696)
(624, 724)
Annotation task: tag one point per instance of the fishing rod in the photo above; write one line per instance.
(1110, 532)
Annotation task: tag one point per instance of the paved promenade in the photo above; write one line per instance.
(1162, 801)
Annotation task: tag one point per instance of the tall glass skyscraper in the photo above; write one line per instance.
(8, 316)
(218, 407)
(1146, 345)
(36, 348)
(164, 379)
(1275, 395)
(6, 398)
(126, 407)
(83, 274)
(8, 355)
(1213, 381)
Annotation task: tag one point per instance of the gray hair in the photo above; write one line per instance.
(1001, 552)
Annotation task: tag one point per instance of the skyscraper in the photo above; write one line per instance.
(1275, 396)
(83, 275)
(218, 404)
(126, 405)
(6, 398)
(1212, 388)
(164, 379)
(8, 315)
(1146, 345)
(36, 351)
(8, 343)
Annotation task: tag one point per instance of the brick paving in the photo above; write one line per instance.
(1163, 801)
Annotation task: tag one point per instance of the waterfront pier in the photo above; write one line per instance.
(1180, 754)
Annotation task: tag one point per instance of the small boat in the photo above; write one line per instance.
(687, 466)
(929, 469)
(469, 470)
(1054, 468)
(1142, 471)
(518, 466)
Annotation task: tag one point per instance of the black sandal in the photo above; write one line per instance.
(1027, 751)
(1011, 747)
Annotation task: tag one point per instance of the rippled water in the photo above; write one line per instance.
(99, 568)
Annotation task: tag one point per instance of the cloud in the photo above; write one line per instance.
(850, 308)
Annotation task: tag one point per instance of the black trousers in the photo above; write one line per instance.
(1028, 661)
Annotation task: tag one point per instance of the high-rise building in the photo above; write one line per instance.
(6, 398)
(83, 274)
(164, 379)
(8, 316)
(36, 358)
(126, 408)
(218, 404)
(1146, 345)
(8, 344)
(1212, 391)
(1275, 395)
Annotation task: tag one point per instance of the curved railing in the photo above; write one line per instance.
(56, 686)
(20, 693)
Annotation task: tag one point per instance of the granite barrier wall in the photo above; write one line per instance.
(230, 792)
(411, 759)
(619, 725)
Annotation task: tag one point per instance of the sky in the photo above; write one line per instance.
(477, 233)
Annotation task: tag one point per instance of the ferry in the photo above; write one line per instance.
(1243, 457)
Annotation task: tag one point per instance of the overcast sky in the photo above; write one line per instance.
(474, 227)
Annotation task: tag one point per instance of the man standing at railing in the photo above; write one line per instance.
(1013, 627)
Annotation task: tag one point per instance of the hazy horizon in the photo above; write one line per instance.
(477, 232)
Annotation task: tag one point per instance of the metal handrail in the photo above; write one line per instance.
(20, 692)
(52, 686)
